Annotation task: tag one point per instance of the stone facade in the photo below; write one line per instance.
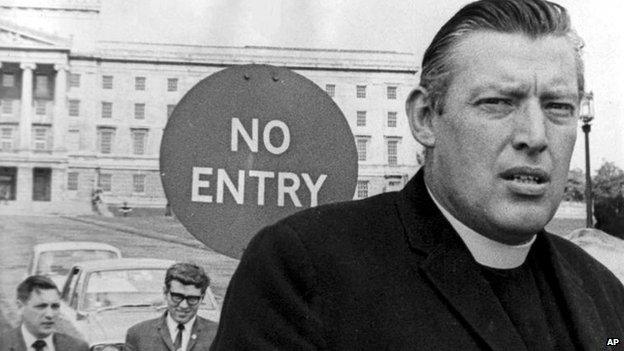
(75, 118)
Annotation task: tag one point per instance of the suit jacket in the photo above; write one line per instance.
(390, 273)
(13, 340)
(153, 335)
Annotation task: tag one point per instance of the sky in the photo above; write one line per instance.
(395, 25)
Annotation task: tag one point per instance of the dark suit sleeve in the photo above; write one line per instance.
(131, 340)
(271, 302)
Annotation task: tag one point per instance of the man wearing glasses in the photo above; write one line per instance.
(180, 328)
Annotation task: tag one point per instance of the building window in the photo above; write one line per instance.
(139, 137)
(170, 109)
(6, 138)
(74, 107)
(7, 106)
(74, 80)
(72, 181)
(106, 136)
(362, 189)
(40, 107)
(361, 149)
(330, 89)
(361, 118)
(105, 181)
(8, 179)
(391, 92)
(42, 89)
(107, 82)
(107, 109)
(360, 91)
(42, 181)
(172, 84)
(139, 83)
(138, 183)
(392, 119)
(73, 140)
(392, 152)
(41, 137)
(139, 111)
(8, 80)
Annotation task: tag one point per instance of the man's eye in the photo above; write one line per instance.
(494, 102)
(560, 109)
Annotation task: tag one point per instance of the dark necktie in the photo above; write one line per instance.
(39, 345)
(177, 345)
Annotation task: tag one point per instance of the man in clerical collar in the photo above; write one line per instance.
(459, 259)
(38, 301)
(180, 328)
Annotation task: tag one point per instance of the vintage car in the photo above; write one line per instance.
(102, 299)
(55, 259)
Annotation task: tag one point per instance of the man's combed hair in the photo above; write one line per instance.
(533, 18)
(34, 283)
(187, 274)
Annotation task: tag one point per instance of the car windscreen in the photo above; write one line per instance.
(127, 287)
(59, 262)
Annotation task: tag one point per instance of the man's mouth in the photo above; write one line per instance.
(526, 180)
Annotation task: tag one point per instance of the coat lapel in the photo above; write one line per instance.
(195, 333)
(163, 331)
(16, 341)
(582, 310)
(451, 269)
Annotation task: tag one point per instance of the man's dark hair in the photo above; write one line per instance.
(533, 18)
(34, 283)
(187, 274)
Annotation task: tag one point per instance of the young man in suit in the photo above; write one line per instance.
(459, 259)
(38, 301)
(180, 328)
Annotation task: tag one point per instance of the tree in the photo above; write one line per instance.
(575, 188)
(608, 181)
(609, 199)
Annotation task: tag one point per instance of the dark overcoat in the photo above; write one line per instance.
(390, 273)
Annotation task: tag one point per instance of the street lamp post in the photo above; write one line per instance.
(587, 115)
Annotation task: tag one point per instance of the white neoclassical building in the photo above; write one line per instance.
(78, 113)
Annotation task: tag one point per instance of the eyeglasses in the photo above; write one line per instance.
(192, 300)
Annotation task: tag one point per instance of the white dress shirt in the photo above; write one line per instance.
(186, 334)
(485, 251)
(29, 339)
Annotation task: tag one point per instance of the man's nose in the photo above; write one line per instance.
(183, 304)
(50, 313)
(530, 129)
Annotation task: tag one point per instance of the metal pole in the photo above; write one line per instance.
(588, 183)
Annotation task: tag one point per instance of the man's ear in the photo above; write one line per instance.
(420, 116)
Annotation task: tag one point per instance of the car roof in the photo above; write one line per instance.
(124, 263)
(74, 245)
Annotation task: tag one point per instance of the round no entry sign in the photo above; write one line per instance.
(250, 145)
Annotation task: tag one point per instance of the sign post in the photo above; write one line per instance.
(250, 145)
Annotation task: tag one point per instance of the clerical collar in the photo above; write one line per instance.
(29, 339)
(486, 251)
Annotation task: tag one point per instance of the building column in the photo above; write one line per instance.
(59, 123)
(24, 184)
(25, 124)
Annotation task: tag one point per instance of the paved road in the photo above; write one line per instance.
(19, 233)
